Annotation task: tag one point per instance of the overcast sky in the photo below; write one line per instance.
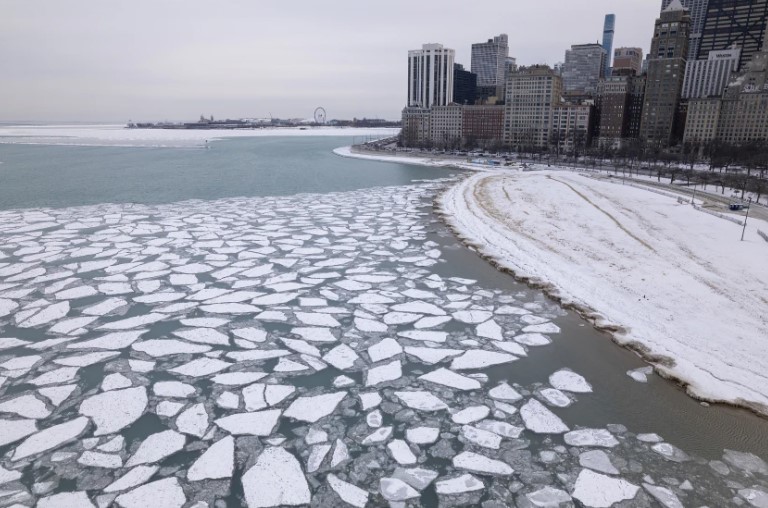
(149, 60)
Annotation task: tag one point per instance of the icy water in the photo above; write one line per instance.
(324, 348)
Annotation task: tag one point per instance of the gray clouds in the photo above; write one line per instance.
(106, 60)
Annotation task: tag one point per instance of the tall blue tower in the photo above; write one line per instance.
(608, 28)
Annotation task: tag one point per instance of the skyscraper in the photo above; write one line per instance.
(666, 70)
(584, 66)
(608, 28)
(430, 76)
(729, 22)
(489, 63)
(708, 78)
(464, 85)
(697, 10)
(628, 61)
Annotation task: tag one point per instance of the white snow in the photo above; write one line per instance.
(600, 491)
(276, 479)
(643, 260)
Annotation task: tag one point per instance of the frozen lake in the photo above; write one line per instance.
(321, 341)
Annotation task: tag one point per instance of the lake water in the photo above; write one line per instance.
(264, 322)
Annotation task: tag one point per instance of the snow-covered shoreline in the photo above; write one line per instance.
(623, 270)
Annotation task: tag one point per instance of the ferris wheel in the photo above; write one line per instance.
(320, 115)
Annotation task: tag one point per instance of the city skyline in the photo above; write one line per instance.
(85, 61)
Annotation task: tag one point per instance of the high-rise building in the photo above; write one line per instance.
(532, 92)
(734, 22)
(464, 85)
(571, 127)
(708, 78)
(445, 124)
(430, 76)
(697, 10)
(609, 26)
(661, 122)
(489, 63)
(584, 66)
(620, 107)
(415, 129)
(628, 61)
(483, 126)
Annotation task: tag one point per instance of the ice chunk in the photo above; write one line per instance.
(256, 356)
(134, 477)
(114, 410)
(459, 485)
(533, 339)
(569, 381)
(370, 325)
(370, 400)
(134, 322)
(504, 392)
(481, 437)
(424, 335)
(597, 460)
(555, 397)
(401, 452)
(378, 436)
(348, 493)
(541, 420)
(27, 406)
(217, 462)
(7, 307)
(481, 464)
(103, 460)
(591, 437)
(193, 421)
(340, 453)
(384, 349)
(276, 479)
(110, 341)
(50, 438)
(312, 409)
(649, 438)
(431, 322)
(503, 429)
(401, 318)
(670, 452)
(479, 359)
(471, 414)
(203, 336)
(342, 357)
(251, 334)
(548, 497)
(422, 435)
(755, 497)
(316, 457)
(542, 328)
(383, 373)
(640, 375)
(432, 356)
(57, 394)
(166, 493)
(66, 500)
(46, 315)
(395, 490)
(115, 381)
(748, 462)
(419, 307)
(472, 316)
(156, 447)
(259, 423)
(449, 378)
(201, 367)
(416, 477)
(238, 378)
(600, 491)
(317, 319)
(173, 389)
(423, 401)
(13, 430)
(314, 334)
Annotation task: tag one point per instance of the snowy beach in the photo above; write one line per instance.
(677, 284)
